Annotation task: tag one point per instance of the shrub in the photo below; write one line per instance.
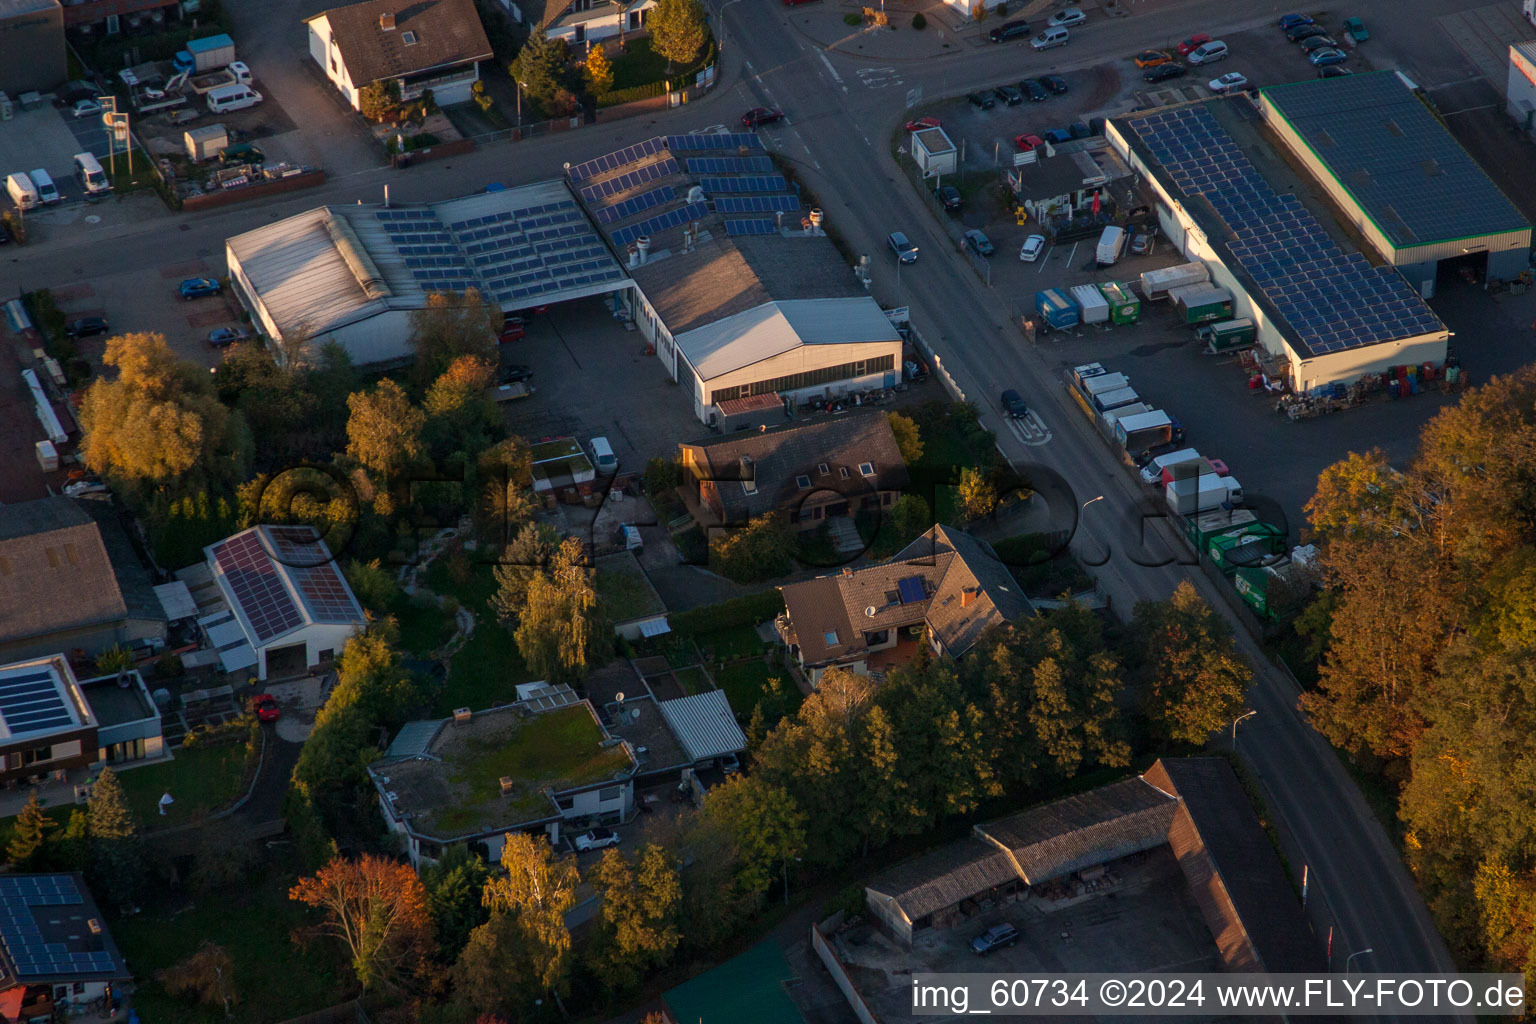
(739, 611)
(632, 94)
(853, 19)
(918, 21)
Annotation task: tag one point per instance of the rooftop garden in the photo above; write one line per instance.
(623, 591)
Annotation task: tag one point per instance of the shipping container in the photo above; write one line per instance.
(1150, 428)
(1124, 307)
(1057, 308)
(1082, 373)
(1198, 303)
(1227, 335)
(1254, 586)
(204, 143)
(1155, 284)
(1202, 494)
(1202, 527)
(1103, 382)
(1252, 546)
(1094, 309)
(1107, 400)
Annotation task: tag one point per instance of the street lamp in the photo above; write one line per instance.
(1090, 501)
(1369, 949)
(1239, 718)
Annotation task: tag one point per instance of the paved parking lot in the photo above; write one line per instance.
(49, 137)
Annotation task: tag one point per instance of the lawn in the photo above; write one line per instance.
(423, 627)
(487, 669)
(692, 679)
(729, 643)
(746, 683)
(275, 979)
(641, 65)
(200, 780)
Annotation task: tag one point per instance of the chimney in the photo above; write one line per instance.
(643, 247)
(507, 783)
(461, 716)
(747, 470)
(968, 596)
(387, 22)
(847, 570)
(816, 219)
(634, 256)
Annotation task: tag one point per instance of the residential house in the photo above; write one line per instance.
(946, 585)
(806, 471)
(56, 953)
(581, 21)
(424, 45)
(70, 581)
(51, 723)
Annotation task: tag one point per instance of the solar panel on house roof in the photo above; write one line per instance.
(30, 702)
(751, 226)
(757, 204)
(911, 590)
(758, 183)
(670, 219)
(1332, 300)
(313, 570)
(29, 951)
(724, 140)
(730, 165)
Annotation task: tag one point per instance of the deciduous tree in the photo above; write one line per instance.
(450, 325)
(678, 30)
(599, 70)
(755, 552)
(378, 909)
(28, 849)
(640, 904)
(527, 556)
(378, 100)
(384, 429)
(909, 440)
(207, 976)
(978, 498)
(455, 897)
(1192, 676)
(461, 414)
(560, 632)
(764, 825)
(537, 889)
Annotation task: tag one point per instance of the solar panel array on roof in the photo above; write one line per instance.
(615, 160)
(25, 943)
(628, 180)
(313, 570)
(751, 226)
(730, 165)
(725, 140)
(257, 586)
(757, 204)
(427, 249)
(911, 590)
(30, 702)
(535, 250)
(1333, 300)
(670, 219)
(760, 183)
(638, 204)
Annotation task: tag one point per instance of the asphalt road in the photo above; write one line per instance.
(839, 132)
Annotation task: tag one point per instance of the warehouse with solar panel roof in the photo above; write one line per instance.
(1225, 196)
(737, 289)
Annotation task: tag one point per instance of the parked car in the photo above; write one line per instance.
(265, 706)
(1229, 81)
(243, 153)
(923, 122)
(979, 243)
(1163, 72)
(86, 326)
(1142, 242)
(1299, 32)
(761, 115)
(982, 100)
(514, 374)
(596, 839)
(1036, 89)
(1027, 142)
(1055, 83)
(1010, 95)
(1315, 43)
(997, 936)
(1067, 17)
(1009, 30)
(1033, 246)
(1332, 72)
(512, 329)
(1194, 42)
(219, 337)
(1323, 58)
(197, 287)
(904, 248)
(949, 196)
(1290, 21)
(1056, 136)
(1079, 130)
(85, 108)
(1152, 58)
(1355, 29)
(1206, 53)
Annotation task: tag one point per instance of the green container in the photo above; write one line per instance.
(1124, 306)
(1227, 335)
(1201, 528)
(1262, 535)
(1253, 587)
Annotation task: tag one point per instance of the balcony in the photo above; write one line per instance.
(412, 88)
(88, 12)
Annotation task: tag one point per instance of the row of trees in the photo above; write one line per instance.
(101, 840)
(1428, 631)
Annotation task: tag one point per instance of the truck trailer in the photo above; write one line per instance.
(1149, 428)
(206, 54)
(1155, 284)
(1091, 302)
(1227, 335)
(1200, 303)
(1197, 494)
(1057, 308)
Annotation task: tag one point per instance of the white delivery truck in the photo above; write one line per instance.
(1152, 472)
(23, 193)
(1111, 245)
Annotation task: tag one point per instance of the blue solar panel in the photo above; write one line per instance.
(757, 204)
(730, 165)
(761, 183)
(670, 219)
(754, 226)
(725, 140)
(630, 207)
(911, 590)
(615, 160)
(630, 179)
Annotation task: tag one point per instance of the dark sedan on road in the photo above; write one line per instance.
(197, 287)
(981, 100)
(1010, 95)
(87, 326)
(1037, 92)
(1055, 83)
(949, 196)
(1163, 72)
(761, 115)
(904, 248)
(1013, 405)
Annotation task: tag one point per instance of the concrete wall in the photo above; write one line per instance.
(1520, 91)
(840, 976)
(32, 52)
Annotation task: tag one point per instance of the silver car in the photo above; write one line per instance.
(904, 248)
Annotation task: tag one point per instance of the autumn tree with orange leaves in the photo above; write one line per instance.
(378, 909)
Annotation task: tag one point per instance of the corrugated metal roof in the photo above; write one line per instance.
(176, 599)
(777, 327)
(414, 738)
(299, 275)
(704, 725)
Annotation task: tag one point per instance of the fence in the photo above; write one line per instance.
(839, 974)
(605, 114)
(936, 361)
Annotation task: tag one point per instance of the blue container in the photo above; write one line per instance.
(1413, 385)
(1394, 389)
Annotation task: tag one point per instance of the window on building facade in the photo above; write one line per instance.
(808, 379)
(608, 793)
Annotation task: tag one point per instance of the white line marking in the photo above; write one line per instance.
(830, 69)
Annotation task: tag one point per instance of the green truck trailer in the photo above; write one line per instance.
(1227, 335)
(1124, 306)
(1202, 527)
(1249, 546)
(1200, 303)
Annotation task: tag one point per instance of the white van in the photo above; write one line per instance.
(90, 175)
(1205, 53)
(603, 458)
(47, 191)
(1049, 38)
(232, 97)
(1111, 245)
(23, 192)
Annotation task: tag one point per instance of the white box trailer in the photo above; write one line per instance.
(1104, 401)
(1091, 302)
(1197, 494)
(47, 456)
(1155, 284)
(1082, 373)
(1105, 382)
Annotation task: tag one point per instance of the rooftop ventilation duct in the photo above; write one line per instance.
(358, 261)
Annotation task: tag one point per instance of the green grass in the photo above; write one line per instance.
(626, 594)
(423, 627)
(275, 979)
(641, 65)
(200, 779)
(142, 175)
(558, 748)
(692, 679)
(745, 684)
(730, 643)
(487, 669)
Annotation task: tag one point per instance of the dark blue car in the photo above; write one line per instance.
(197, 287)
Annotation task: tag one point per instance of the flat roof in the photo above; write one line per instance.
(40, 698)
(778, 327)
(624, 588)
(1395, 159)
(118, 705)
(1327, 299)
(52, 931)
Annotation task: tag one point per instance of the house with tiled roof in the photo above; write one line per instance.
(580, 21)
(423, 45)
(806, 471)
(946, 586)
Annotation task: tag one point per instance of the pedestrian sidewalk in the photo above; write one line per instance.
(948, 32)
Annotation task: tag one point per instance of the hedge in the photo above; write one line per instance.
(630, 95)
(740, 611)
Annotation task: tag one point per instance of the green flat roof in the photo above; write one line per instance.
(749, 987)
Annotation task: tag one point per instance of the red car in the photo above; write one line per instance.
(1028, 142)
(265, 706)
(512, 329)
(921, 123)
(761, 115)
(1194, 42)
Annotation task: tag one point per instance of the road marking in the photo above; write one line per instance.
(832, 71)
(713, 129)
(878, 78)
(1031, 430)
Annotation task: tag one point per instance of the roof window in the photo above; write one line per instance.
(867, 468)
(803, 482)
(408, 38)
(842, 471)
(830, 636)
(823, 469)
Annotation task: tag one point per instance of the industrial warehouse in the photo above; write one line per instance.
(1228, 198)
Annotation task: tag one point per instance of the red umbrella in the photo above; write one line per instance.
(1095, 204)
